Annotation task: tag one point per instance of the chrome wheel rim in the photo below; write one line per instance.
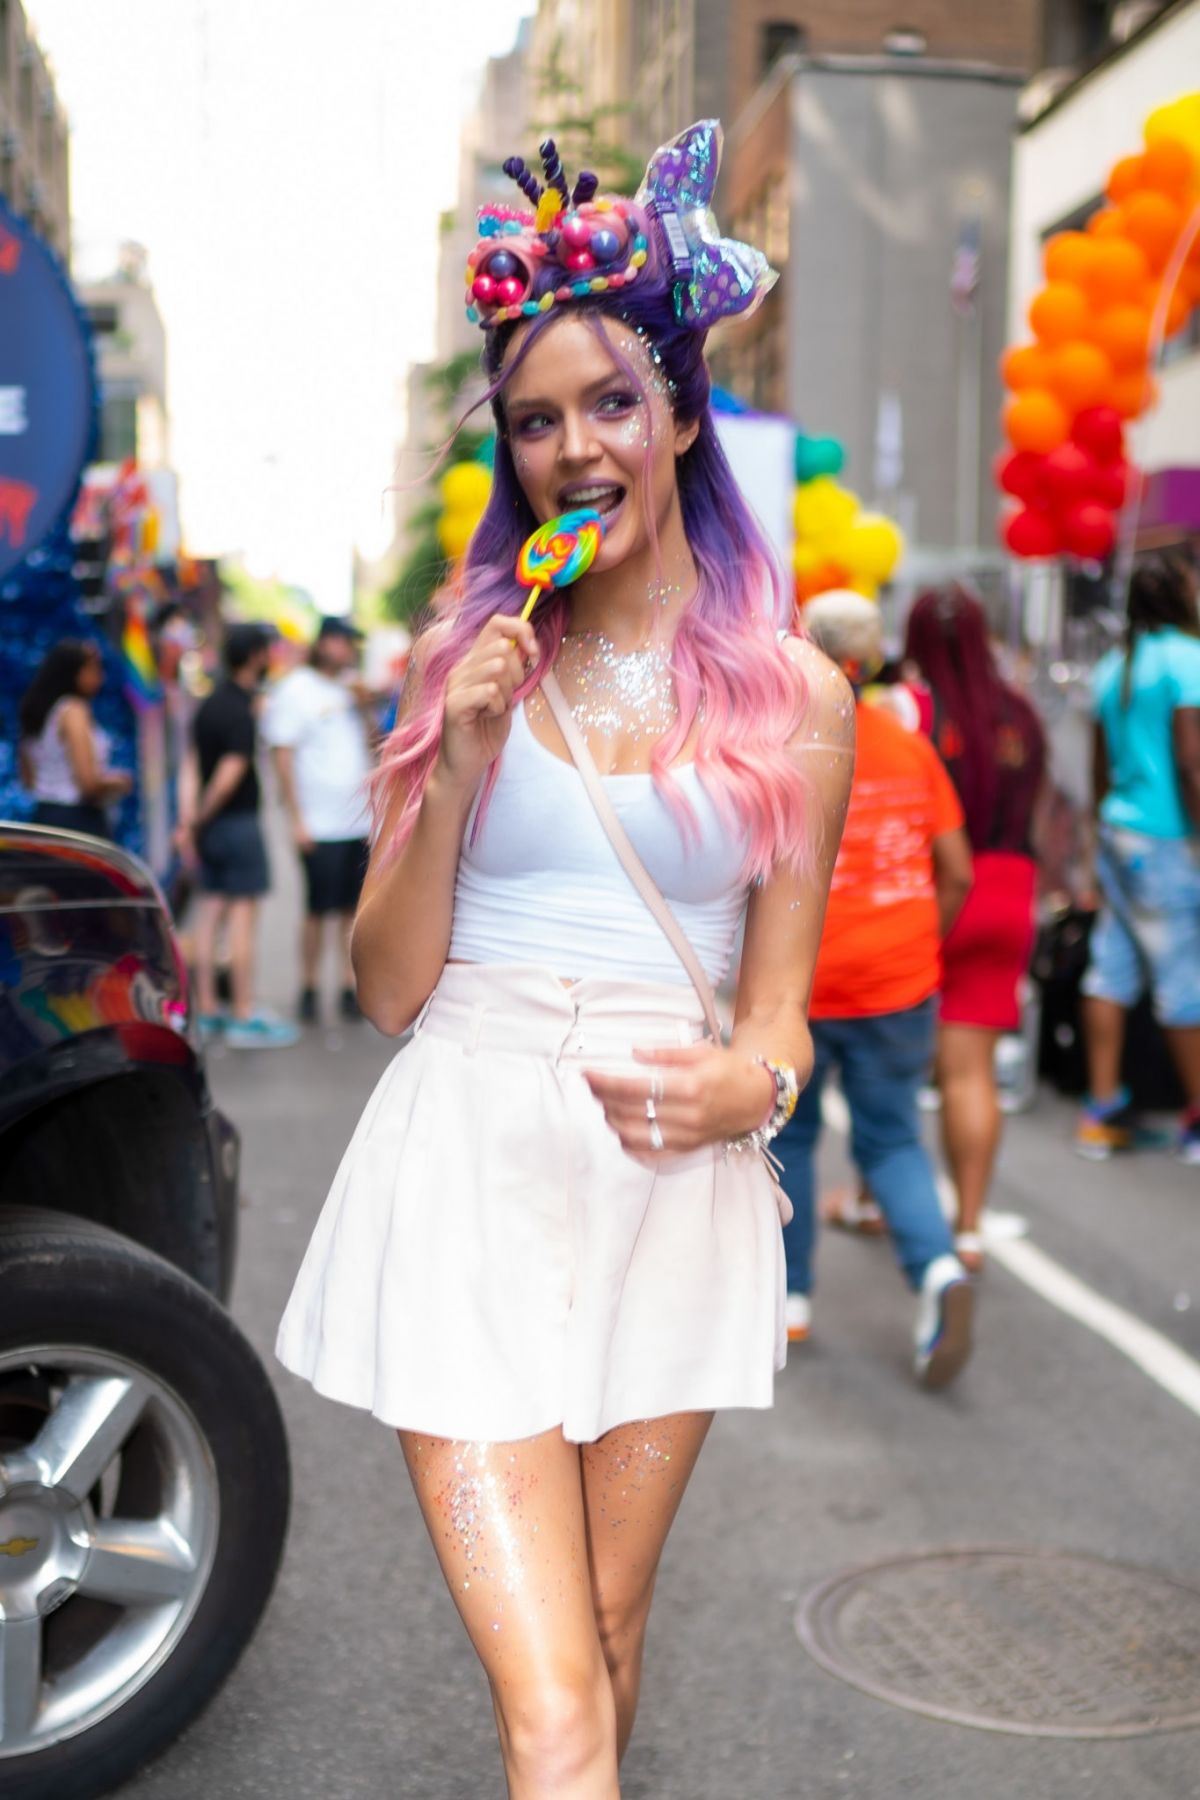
(109, 1516)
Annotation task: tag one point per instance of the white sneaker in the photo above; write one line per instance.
(942, 1329)
(797, 1313)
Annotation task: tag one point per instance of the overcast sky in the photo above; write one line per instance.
(284, 163)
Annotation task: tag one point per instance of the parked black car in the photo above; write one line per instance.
(144, 1483)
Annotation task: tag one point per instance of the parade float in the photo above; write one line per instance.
(86, 550)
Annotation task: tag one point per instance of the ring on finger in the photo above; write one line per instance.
(651, 1112)
(656, 1085)
(656, 1136)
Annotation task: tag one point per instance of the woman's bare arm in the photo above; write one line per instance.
(402, 929)
(1185, 731)
(94, 784)
(710, 1094)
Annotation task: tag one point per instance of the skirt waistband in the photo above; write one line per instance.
(526, 1009)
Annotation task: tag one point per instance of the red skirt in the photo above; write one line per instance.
(990, 944)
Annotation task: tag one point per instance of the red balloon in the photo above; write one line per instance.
(1069, 474)
(1097, 430)
(1021, 472)
(1110, 484)
(1089, 530)
(1030, 533)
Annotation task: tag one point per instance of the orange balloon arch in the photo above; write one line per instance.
(1112, 293)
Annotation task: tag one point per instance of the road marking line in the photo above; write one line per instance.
(1155, 1355)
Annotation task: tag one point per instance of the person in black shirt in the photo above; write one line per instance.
(220, 829)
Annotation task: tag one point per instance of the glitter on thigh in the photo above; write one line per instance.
(628, 1462)
(481, 1504)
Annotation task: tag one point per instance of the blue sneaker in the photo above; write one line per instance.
(942, 1332)
(261, 1031)
(211, 1025)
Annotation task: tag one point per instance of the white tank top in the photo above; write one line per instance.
(541, 883)
(53, 776)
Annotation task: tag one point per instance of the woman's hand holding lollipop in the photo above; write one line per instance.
(479, 698)
(480, 689)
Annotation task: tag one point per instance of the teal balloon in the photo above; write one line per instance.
(486, 453)
(818, 456)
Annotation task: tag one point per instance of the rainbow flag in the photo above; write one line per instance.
(142, 684)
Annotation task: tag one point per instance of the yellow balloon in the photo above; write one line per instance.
(823, 508)
(465, 487)
(805, 557)
(860, 585)
(1179, 119)
(454, 533)
(872, 547)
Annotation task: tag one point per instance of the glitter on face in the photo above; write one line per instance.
(613, 695)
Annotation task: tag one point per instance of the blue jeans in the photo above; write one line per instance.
(883, 1061)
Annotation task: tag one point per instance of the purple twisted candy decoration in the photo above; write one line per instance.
(514, 168)
(552, 164)
(585, 188)
(561, 550)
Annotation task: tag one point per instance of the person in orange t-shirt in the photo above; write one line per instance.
(902, 874)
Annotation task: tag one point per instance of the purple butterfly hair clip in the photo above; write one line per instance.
(715, 277)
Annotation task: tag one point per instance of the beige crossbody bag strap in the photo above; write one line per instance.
(630, 861)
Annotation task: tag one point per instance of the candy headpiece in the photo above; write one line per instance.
(577, 242)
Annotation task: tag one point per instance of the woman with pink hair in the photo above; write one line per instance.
(553, 1249)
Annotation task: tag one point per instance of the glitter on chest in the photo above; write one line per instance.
(612, 695)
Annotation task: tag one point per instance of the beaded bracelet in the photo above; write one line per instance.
(787, 1092)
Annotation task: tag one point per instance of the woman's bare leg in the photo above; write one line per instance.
(507, 1522)
(633, 1481)
(971, 1116)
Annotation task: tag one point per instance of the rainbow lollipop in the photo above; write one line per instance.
(559, 552)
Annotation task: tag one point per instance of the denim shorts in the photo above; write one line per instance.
(1148, 931)
(233, 857)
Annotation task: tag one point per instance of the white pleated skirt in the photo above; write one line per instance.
(490, 1263)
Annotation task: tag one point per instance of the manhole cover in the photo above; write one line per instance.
(1043, 1643)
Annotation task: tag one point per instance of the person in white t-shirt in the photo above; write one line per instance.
(317, 726)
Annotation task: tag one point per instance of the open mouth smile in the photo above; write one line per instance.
(603, 497)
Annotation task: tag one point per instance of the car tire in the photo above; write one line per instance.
(143, 1456)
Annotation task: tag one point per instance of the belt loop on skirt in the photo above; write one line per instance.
(474, 1028)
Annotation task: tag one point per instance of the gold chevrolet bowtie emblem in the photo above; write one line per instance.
(17, 1546)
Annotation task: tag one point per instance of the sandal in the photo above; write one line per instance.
(851, 1210)
(968, 1247)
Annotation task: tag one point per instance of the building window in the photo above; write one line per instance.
(118, 427)
(779, 37)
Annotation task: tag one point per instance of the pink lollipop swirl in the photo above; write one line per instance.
(561, 550)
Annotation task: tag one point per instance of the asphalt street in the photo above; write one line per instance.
(361, 1681)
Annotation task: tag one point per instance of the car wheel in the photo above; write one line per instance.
(143, 1503)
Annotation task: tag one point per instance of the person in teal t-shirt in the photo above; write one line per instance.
(1146, 699)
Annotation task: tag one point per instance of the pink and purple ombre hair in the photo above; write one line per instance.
(729, 671)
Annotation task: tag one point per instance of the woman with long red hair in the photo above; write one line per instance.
(993, 745)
